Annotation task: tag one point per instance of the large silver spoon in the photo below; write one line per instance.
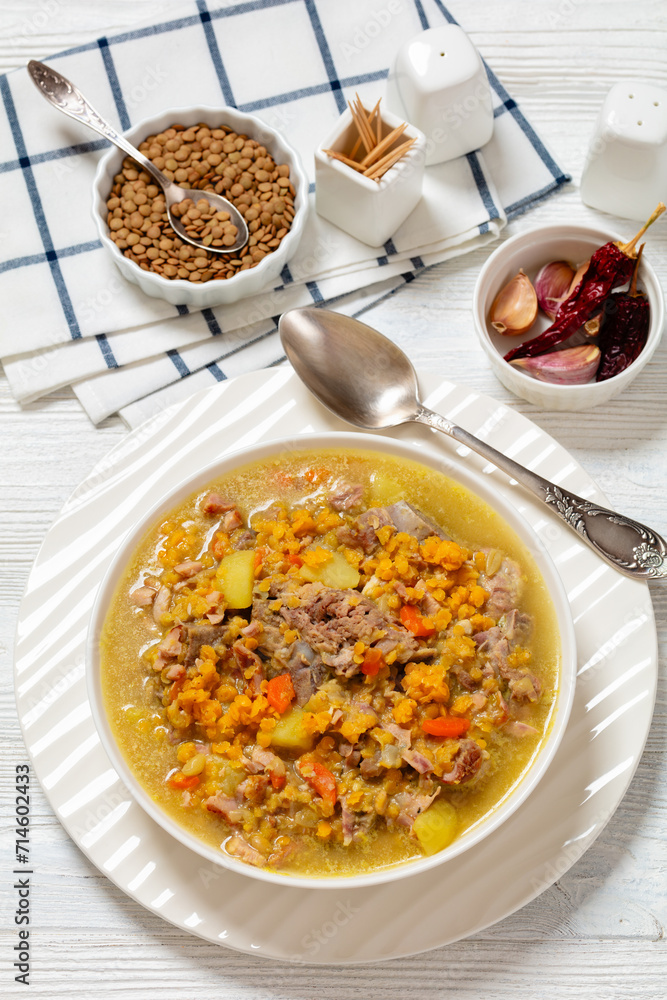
(67, 98)
(367, 380)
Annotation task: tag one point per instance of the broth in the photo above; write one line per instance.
(161, 755)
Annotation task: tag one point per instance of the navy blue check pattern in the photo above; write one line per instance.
(203, 30)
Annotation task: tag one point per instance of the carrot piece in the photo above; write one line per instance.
(414, 622)
(320, 778)
(316, 474)
(446, 725)
(259, 556)
(182, 781)
(280, 692)
(373, 660)
(295, 560)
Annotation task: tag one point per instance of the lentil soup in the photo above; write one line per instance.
(329, 663)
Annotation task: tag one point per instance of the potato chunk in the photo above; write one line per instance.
(436, 827)
(290, 732)
(336, 572)
(236, 575)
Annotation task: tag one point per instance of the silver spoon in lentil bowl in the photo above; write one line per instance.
(364, 378)
(67, 98)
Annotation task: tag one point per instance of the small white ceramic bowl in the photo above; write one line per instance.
(455, 469)
(531, 251)
(369, 210)
(209, 293)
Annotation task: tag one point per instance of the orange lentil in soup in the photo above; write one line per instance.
(330, 663)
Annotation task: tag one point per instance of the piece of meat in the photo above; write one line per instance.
(361, 532)
(402, 516)
(355, 825)
(402, 736)
(246, 657)
(251, 766)
(410, 806)
(347, 497)
(231, 521)
(269, 761)
(175, 671)
(198, 634)
(412, 650)
(418, 761)
(240, 848)
(245, 539)
(371, 767)
(143, 596)
(171, 645)
(523, 685)
(409, 519)
(466, 681)
(161, 603)
(428, 604)
(226, 806)
(188, 568)
(466, 762)
(306, 670)
(216, 504)
(299, 659)
(343, 662)
(504, 588)
(495, 649)
(254, 788)
(516, 625)
(329, 620)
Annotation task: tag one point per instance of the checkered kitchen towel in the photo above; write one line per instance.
(67, 314)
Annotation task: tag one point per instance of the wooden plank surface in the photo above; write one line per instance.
(599, 931)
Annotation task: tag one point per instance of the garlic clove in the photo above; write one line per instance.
(514, 308)
(572, 366)
(552, 286)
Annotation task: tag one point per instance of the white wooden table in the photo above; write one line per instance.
(599, 931)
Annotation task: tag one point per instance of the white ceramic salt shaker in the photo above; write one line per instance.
(439, 84)
(626, 168)
(367, 209)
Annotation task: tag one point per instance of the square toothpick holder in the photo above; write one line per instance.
(370, 210)
(626, 168)
(439, 83)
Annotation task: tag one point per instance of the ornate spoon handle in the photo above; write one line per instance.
(62, 94)
(631, 547)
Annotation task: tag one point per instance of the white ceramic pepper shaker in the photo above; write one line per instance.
(439, 84)
(626, 167)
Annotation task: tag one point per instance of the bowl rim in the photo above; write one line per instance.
(581, 231)
(181, 284)
(451, 466)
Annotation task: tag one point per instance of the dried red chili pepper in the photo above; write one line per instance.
(624, 329)
(610, 267)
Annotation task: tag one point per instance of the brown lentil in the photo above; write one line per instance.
(207, 159)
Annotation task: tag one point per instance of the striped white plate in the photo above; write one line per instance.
(612, 712)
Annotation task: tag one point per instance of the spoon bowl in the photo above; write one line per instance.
(365, 379)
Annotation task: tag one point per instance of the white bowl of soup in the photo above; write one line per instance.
(336, 659)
